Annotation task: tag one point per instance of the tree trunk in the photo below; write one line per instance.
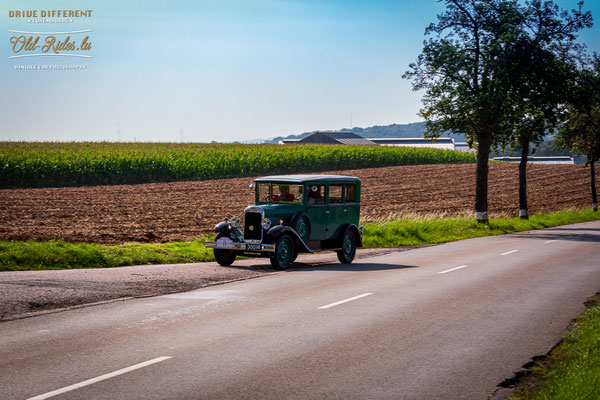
(593, 182)
(481, 182)
(523, 212)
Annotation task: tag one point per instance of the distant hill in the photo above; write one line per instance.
(413, 130)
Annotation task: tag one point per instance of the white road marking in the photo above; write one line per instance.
(550, 241)
(509, 252)
(452, 269)
(98, 379)
(337, 303)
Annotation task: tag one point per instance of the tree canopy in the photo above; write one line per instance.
(494, 70)
(581, 130)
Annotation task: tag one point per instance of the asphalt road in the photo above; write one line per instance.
(443, 322)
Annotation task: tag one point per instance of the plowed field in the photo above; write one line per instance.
(162, 212)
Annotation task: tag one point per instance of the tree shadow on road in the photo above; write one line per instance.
(573, 229)
(574, 237)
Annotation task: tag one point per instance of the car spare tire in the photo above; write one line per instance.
(301, 224)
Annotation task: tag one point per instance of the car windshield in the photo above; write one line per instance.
(279, 193)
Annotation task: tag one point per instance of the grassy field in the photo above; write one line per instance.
(572, 369)
(26, 164)
(31, 255)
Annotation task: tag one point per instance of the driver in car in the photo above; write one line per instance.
(284, 194)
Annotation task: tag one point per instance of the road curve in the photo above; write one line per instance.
(449, 321)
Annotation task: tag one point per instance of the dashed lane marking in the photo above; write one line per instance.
(509, 252)
(337, 303)
(99, 378)
(452, 269)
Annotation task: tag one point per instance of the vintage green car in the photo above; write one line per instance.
(294, 214)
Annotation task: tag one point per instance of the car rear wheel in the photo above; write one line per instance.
(348, 251)
(284, 252)
(224, 257)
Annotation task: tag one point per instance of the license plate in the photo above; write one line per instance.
(253, 247)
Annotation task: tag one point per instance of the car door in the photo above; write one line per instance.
(316, 208)
(352, 202)
(337, 210)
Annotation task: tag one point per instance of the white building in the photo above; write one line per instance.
(539, 160)
(439, 143)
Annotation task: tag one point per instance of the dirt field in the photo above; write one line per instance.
(162, 212)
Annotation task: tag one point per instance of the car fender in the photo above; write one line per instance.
(354, 229)
(224, 227)
(279, 230)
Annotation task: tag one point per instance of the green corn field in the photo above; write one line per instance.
(45, 164)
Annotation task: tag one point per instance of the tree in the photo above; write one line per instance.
(539, 61)
(463, 70)
(581, 131)
(537, 101)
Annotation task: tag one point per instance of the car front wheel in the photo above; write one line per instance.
(224, 257)
(348, 251)
(284, 252)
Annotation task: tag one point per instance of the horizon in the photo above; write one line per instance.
(249, 141)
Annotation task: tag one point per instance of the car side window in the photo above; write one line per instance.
(335, 194)
(316, 194)
(286, 193)
(350, 193)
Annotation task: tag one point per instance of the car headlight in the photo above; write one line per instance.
(266, 223)
(235, 221)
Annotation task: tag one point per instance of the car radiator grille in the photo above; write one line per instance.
(254, 220)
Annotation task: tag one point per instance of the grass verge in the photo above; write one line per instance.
(415, 231)
(572, 369)
(32, 255)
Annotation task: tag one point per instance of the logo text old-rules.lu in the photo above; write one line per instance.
(50, 42)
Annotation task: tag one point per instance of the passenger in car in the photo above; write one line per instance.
(314, 195)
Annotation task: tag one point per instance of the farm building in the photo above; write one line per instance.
(440, 143)
(330, 138)
(353, 138)
(463, 146)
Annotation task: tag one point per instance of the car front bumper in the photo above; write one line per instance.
(241, 246)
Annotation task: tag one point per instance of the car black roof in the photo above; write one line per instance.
(307, 178)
